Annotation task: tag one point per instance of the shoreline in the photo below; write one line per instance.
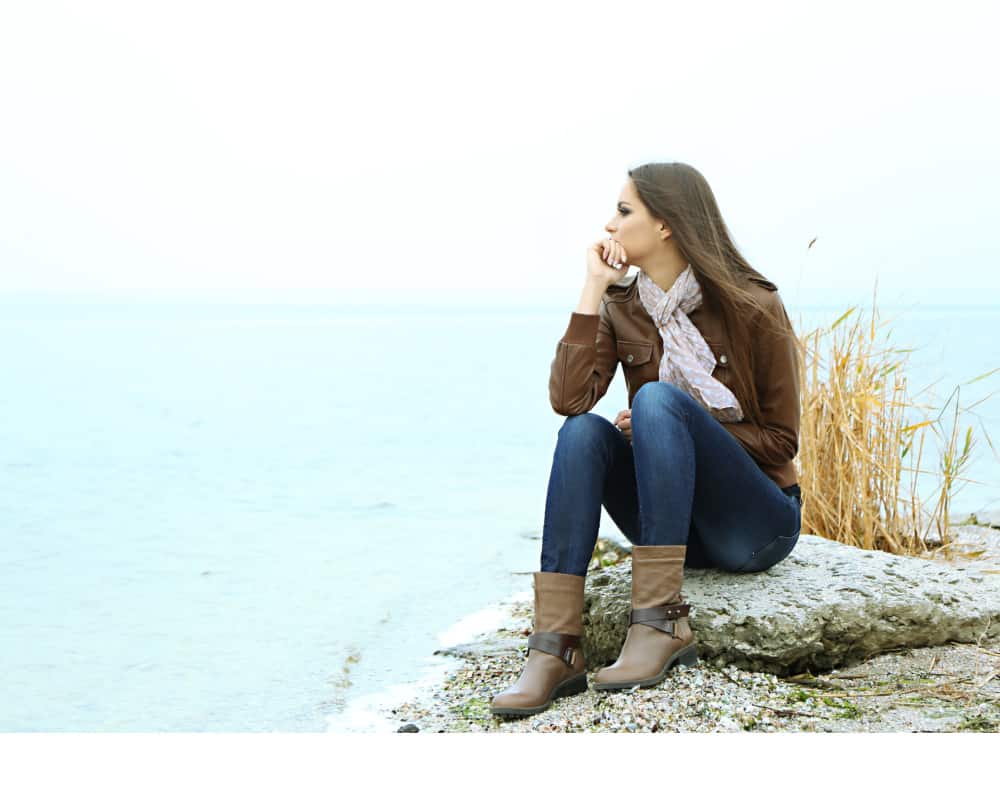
(372, 712)
(950, 687)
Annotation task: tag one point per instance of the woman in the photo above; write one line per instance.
(698, 470)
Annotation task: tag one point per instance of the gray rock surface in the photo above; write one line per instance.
(826, 605)
(989, 517)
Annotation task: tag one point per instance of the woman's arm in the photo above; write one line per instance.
(585, 362)
(776, 375)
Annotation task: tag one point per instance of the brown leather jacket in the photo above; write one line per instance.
(588, 355)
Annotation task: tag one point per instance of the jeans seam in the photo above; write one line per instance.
(764, 547)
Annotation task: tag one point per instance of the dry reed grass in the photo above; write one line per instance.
(860, 451)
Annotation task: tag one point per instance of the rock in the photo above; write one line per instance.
(484, 645)
(824, 606)
(409, 727)
(989, 518)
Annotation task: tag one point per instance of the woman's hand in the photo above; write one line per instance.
(600, 255)
(624, 423)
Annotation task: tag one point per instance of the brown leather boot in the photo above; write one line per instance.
(658, 635)
(555, 666)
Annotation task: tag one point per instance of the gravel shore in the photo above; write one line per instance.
(952, 687)
(949, 688)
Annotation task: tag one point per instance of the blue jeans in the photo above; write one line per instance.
(684, 479)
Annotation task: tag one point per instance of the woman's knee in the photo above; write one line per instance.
(658, 395)
(585, 429)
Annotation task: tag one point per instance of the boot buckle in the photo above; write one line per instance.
(663, 618)
(561, 645)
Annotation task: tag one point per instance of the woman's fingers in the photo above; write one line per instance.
(613, 252)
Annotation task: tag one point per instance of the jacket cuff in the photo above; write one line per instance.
(582, 329)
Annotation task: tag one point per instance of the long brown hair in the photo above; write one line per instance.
(680, 196)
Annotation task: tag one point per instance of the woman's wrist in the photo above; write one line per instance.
(590, 297)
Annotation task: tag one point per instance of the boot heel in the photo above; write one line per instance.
(688, 657)
(573, 686)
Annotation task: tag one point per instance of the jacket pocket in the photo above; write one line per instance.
(634, 353)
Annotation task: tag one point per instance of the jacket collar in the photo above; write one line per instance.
(626, 288)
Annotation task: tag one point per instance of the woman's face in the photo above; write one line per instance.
(633, 228)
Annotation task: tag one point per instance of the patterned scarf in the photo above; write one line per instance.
(687, 360)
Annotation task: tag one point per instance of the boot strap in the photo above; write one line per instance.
(657, 616)
(557, 644)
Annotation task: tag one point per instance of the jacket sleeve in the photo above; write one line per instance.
(586, 361)
(776, 374)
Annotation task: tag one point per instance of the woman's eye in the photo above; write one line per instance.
(622, 211)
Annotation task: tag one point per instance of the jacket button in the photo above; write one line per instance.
(629, 358)
(723, 359)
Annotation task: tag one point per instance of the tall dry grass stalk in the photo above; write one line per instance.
(859, 458)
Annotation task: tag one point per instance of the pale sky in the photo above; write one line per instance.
(286, 145)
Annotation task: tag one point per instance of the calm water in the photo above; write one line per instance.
(244, 518)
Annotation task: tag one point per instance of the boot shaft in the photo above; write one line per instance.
(558, 603)
(657, 575)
